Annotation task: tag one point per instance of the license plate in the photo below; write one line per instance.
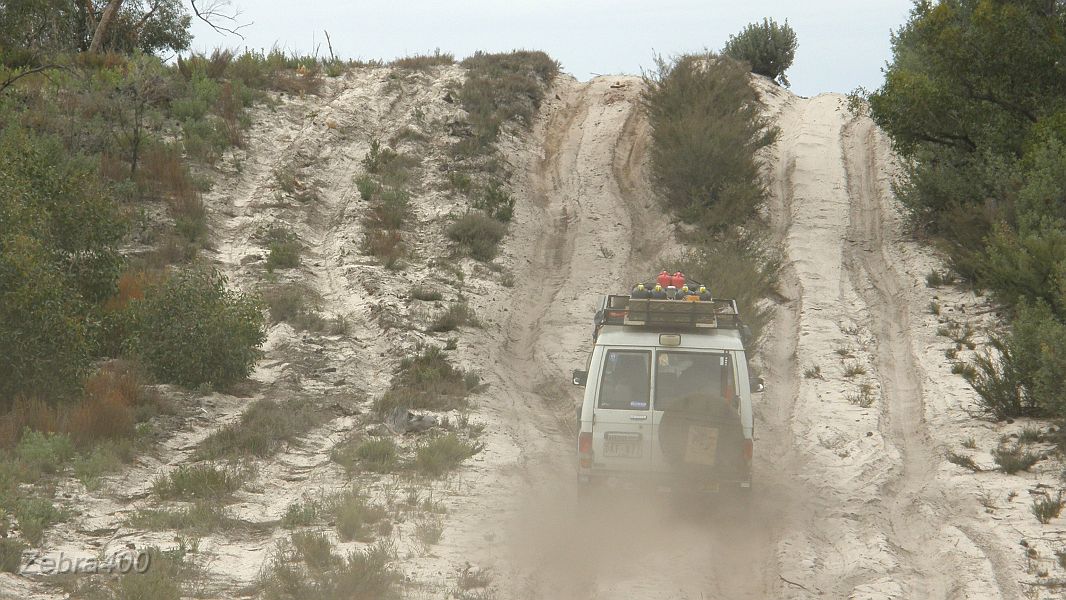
(623, 447)
(702, 446)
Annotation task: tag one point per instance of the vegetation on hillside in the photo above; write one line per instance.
(975, 101)
(769, 48)
(104, 294)
(106, 152)
(706, 130)
(498, 88)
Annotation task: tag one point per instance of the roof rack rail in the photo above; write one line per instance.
(717, 313)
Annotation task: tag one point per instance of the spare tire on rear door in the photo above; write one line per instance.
(701, 437)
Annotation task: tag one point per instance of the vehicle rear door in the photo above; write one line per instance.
(622, 428)
(696, 392)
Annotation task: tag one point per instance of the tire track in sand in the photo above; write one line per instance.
(922, 517)
(866, 516)
(594, 225)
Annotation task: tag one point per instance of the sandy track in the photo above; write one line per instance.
(593, 225)
(867, 516)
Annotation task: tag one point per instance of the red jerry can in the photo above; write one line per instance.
(664, 279)
(678, 280)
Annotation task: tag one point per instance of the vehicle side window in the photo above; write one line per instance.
(694, 381)
(625, 383)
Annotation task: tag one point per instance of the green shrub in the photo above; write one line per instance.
(263, 428)
(44, 452)
(477, 235)
(1012, 459)
(367, 187)
(34, 515)
(387, 245)
(937, 278)
(192, 330)
(984, 170)
(306, 567)
(1026, 265)
(205, 139)
(426, 294)
(424, 62)
(11, 554)
(284, 249)
(864, 397)
(427, 381)
(1047, 508)
(393, 169)
(203, 517)
(460, 182)
(161, 581)
(1022, 375)
(502, 87)
(456, 316)
(428, 532)
(443, 454)
(301, 513)
(353, 515)
(377, 456)
(297, 305)
(495, 202)
(288, 303)
(101, 460)
(853, 368)
(707, 126)
(739, 268)
(963, 461)
(389, 210)
(200, 481)
(768, 47)
(58, 255)
(967, 371)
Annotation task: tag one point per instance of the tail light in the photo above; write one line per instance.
(584, 449)
(749, 450)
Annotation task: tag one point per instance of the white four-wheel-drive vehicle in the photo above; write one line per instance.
(667, 396)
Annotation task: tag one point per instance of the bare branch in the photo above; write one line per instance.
(214, 12)
(329, 44)
(148, 15)
(11, 80)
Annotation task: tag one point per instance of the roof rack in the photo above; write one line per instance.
(717, 313)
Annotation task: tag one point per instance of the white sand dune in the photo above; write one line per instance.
(851, 501)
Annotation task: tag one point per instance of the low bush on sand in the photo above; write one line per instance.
(477, 235)
(424, 62)
(264, 427)
(427, 381)
(197, 482)
(443, 454)
(501, 87)
(378, 456)
(306, 567)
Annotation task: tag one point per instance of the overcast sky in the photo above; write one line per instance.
(841, 44)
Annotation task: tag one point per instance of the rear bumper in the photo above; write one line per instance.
(662, 481)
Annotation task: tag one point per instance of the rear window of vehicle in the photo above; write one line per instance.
(626, 380)
(687, 379)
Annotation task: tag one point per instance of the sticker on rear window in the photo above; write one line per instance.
(636, 404)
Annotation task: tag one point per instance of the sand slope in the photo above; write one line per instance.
(853, 497)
